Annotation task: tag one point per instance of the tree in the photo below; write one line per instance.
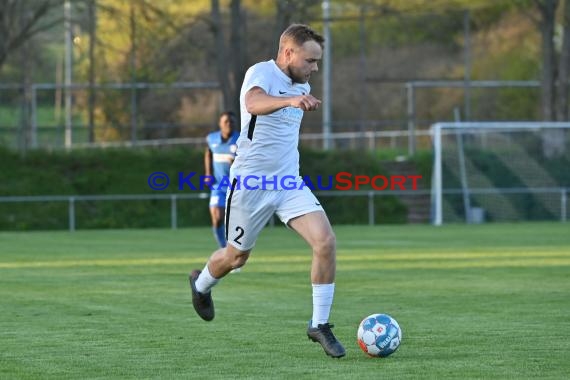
(564, 67)
(124, 46)
(20, 20)
(238, 49)
(91, 6)
(546, 24)
(222, 54)
(554, 81)
(230, 58)
(289, 11)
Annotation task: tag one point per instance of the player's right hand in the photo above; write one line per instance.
(208, 180)
(306, 102)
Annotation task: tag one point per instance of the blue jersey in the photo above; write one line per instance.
(223, 154)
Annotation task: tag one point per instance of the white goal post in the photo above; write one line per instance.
(500, 171)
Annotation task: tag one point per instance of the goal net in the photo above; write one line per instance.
(500, 171)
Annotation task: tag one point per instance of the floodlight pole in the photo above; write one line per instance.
(326, 76)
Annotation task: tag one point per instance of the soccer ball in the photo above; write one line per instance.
(379, 335)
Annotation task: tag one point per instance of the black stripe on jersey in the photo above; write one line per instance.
(251, 127)
(228, 205)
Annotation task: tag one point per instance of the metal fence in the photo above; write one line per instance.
(407, 133)
(72, 200)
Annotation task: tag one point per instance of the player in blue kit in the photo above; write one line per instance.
(218, 158)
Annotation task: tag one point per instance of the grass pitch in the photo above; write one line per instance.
(488, 301)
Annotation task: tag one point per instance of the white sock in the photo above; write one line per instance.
(206, 281)
(322, 303)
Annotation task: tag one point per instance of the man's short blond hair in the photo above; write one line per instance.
(299, 34)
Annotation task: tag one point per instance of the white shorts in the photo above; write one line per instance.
(248, 211)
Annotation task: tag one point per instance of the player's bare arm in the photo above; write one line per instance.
(258, 102)
(208, 165)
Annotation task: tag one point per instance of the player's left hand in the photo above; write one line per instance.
(306, 102)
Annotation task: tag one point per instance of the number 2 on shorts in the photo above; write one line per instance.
(241, 232)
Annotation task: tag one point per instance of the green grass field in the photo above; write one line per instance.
(486, 302)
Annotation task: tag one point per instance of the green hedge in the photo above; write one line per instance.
(126, 171)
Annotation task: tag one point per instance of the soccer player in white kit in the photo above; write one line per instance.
(266, 181)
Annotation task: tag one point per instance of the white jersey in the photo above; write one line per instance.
(268, 144)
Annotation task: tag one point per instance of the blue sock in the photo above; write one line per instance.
(220, 235)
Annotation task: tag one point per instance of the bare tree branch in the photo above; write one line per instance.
(22, 20)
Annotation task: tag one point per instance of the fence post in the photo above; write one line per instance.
(371, 208)
(34, 117)
(563, 204)
(173, 212)
(371, 141)
(411, 115)
(71, 214)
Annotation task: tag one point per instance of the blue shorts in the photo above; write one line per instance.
(218, 198)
